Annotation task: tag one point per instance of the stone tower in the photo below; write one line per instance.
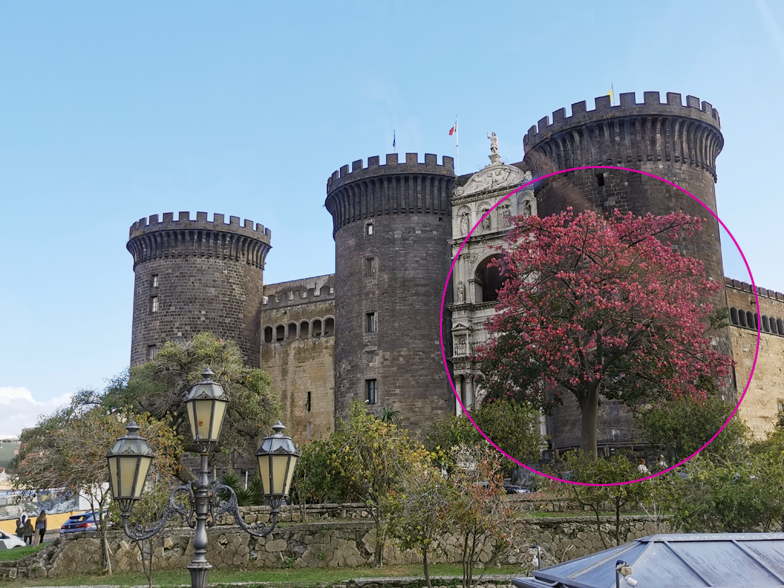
(676, 141)
(194, 276)
(391, 225)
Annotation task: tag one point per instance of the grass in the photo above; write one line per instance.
(307, 576)
(19, 552)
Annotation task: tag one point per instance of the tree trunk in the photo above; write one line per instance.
(589, 407)
(426, 568)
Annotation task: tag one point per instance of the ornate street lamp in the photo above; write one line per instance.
(130, 459)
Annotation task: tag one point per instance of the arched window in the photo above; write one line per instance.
(292, 331)
(304, 330)
(734, 315)
(268, 335)
(316, 328)
(280, 333)
(489, 279)
(773, 328)
(750, 320)
(742, 319)
(780, 326)
(765, 324)
(756, 321)
(329, 327)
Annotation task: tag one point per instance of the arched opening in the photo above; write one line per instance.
(765, 324)
(292, 331)
(489, 279)
(742, 319)
(329, 327)
(780, 325)
(773, 327)
(268, 335)
(280, 333)
(750, 320)
(316, 328)
(304, 330)
(734, 315)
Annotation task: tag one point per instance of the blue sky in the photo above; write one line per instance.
(110, 112)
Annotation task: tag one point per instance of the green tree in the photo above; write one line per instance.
(158, 388)
(422, 511)
(680, 427)
(514, 427)
(579, 467)
(68, 450)
(480, 512)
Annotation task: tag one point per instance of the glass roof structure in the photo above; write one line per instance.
(721, 560)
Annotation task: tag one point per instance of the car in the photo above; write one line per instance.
(80, 523)
(8, 541)
(513, 489)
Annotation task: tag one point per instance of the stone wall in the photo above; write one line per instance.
(301, 364)
(760, 407)
(317, 545)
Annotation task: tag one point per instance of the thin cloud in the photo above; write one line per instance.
(771, 26)
(20, 410)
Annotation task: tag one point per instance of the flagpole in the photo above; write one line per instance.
(457, 145)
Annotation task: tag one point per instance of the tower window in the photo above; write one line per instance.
(372, 391)
(154, 306)
(280, 333)
(307, 403)
(155, 281)
(369, 228)
(370, 322)
(152, 351)
(268, 335)
(600, 179)
(370, 267)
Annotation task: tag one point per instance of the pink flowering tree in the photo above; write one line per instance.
(601, 307)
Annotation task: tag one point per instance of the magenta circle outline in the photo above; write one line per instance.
(443, 303)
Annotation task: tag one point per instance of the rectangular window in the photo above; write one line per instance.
(154, 304)
(369, 228)
(372, 391)
(152, 351)
(370, 322)
(370, 267)
(307, 403)
(155, 281)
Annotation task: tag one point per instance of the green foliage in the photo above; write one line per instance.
(390, 415)
(578, 467)
(158, 388)
(421, 511)
(361, 461)
(741, 494)
(514, 427)
(253, 495)
(680, 427)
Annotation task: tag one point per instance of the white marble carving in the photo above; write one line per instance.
(492, 177)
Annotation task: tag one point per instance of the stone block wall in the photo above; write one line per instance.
(317, 545)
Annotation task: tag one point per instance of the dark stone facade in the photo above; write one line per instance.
(674, 141)
(194, 276)
(392, 224)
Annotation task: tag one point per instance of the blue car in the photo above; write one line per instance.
(80, 523)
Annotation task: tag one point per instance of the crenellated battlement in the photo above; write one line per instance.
(151, 238)
(746, 287)
(218, 223)
(650, 106)
(392, 166)
(393, 188)
(628, 134)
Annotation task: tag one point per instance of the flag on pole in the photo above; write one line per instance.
(611, 95)
(394, 140)
(453, 130)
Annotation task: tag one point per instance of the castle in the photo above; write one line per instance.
(371, 330)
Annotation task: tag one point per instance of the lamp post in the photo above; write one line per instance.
(130, 459)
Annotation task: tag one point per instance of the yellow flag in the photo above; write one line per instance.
(610, 94)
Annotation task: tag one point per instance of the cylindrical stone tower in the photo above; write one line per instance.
(674, 141)
(391, 225)
(194, 276)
